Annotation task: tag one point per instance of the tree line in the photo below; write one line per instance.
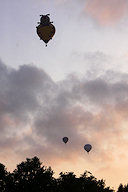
(31, 176)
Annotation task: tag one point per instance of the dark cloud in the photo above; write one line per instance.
(21, 93)
(99, 91)
(21, 89)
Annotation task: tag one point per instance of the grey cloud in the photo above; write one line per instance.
(99, 91)
(36, 112)
(22, 91)
(23, 88)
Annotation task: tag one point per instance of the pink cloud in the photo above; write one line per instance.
(106, 12)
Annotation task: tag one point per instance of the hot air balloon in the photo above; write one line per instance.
(65, 139)
(45, 29)
(87, 147)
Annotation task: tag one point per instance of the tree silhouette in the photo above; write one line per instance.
(3, 174)
(90, 184)
(122, 188)
(68, 182)
(126, 188)
(31, 176)
(6, 180)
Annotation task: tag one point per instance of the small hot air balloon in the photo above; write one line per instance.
(45, 29)
(87, 147)
(65, 139)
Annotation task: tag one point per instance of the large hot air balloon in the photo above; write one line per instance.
(45, 29)
(65, 139)
(87, 147)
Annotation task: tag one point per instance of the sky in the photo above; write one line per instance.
(77, 86)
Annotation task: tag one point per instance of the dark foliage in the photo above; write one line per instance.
(123, 188)
(31, 176)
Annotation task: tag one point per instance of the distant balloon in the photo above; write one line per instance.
(45, 29)
(87, 147)
(65, 139)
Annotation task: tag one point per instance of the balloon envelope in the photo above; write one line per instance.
(45, 32)
(87, 147)
(65, 139)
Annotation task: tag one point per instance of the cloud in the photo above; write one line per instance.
(21, 92)
(106, 12)
(36, 113)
